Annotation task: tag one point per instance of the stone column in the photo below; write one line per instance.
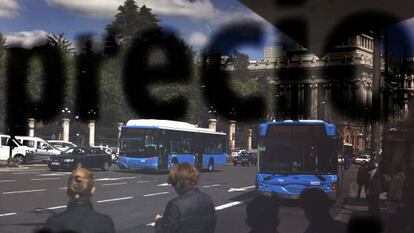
(232, 135)
(91, 127)
(120, 124)
(31, 126)
(212, 124)
(65, 126)
(314, 101)
(249, 140)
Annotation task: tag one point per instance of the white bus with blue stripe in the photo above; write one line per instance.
(297, 155)
(159, 144)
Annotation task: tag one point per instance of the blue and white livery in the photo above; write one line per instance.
(297, 155)
(159, 144)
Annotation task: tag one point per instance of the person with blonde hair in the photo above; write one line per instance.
(192, 211)
(80, 216)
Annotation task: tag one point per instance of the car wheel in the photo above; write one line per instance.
(53, 168)
(105, 166)
(78, 165)
(210, 166)
(19, 159)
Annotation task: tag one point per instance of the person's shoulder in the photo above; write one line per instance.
(205, 195)
(102, 217)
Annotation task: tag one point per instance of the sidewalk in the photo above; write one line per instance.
(351, 205)
(21, 167)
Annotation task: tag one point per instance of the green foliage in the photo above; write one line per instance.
(59, 41)
(131, 21)
(240, 61)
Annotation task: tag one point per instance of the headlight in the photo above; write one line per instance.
(68, 160)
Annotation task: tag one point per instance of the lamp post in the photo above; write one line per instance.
(91, 126)
(66, 123)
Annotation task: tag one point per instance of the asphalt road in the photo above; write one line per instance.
(29, 195)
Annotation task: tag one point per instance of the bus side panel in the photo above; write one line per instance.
(219, 159)
(180, 158)
(137, 163)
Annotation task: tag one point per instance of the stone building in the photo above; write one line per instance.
(336, 87)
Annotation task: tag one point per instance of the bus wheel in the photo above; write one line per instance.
(19, 159)
(210, 165)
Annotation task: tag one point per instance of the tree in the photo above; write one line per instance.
(131, 21)
(59, 41)
(240, 61)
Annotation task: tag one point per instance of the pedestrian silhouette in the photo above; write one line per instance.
(395, 219)
(374, 188)
(79, 216)
(316, 205)
(192, 211)
(262, 215)
(362, 179)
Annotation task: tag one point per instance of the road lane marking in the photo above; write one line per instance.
(228, 205)
(164, 185)
(240, 189)
(121, 183)
(210, 186)
(7, 214)
(24, 191)
(115, 199)
(142, 181)
(52, 178)
(56, 174)
(151, 224)
(117, 178)
(155, 194)
(63, 188)
(7, 181)
(24, 173)
(56, 207)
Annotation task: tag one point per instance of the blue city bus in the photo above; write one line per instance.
(297, 155)
(159, 144)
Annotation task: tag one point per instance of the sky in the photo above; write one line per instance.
(27, 22)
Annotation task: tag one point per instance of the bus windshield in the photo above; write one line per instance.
(300, 153)
(139, 142)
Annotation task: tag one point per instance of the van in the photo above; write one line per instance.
(41, 149)
(21, 153)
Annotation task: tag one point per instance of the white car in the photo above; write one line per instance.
(61, 145)
(362, 158)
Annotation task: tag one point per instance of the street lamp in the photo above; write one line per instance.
(66, 123)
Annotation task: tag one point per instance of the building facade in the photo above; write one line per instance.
(336, 87)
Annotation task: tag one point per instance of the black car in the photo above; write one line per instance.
(76, 157)
(245, 159)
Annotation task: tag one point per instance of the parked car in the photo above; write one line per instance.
(362, 158)
(245, 159)
(76, 157)
(237, 153)
(61, 145)
(41, 149)
(21, 153)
